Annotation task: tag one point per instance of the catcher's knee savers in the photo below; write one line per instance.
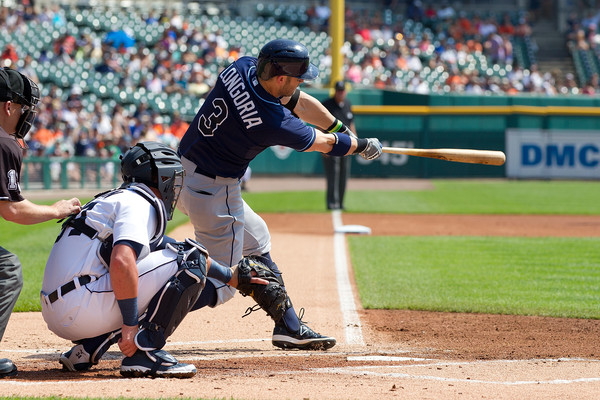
(272, 297)
(170, 305)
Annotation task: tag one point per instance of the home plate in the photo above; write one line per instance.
(358, 229)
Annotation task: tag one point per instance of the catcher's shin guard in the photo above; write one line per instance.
(171, 304)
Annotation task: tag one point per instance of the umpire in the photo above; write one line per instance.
(18, 100)
(337, 169)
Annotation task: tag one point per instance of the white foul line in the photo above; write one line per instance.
(363, 372)
(349, 315)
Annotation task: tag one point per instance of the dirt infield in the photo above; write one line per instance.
(381, 354)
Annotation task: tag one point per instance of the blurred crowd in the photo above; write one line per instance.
(447, 42)
(451, 44)
(582, 36)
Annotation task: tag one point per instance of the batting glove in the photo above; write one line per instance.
(373, 149)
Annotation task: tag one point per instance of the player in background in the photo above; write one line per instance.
(113, 277)
(19, 96)
(337, 169)
(255, 104)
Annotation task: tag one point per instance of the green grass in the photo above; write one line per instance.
(543, 276)
(450, 197)
(556, 277)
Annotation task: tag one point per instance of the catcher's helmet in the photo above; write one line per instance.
(27, 93)
(157, 166)
(285, 57)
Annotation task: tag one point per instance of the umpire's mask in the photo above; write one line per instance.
(27, 93)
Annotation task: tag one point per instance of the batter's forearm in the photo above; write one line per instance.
(311, 110)
(324, 143)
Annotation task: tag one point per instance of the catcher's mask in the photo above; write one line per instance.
(285, 57)
(26, 93)
(158, 166)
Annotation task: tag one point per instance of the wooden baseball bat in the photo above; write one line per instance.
(488, 157)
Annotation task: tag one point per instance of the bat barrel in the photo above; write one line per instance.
(488, 157)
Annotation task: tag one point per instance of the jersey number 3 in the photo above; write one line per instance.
(208, 125)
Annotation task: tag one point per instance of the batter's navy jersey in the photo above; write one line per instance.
(238, 120)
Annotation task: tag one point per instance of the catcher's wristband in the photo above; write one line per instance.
(129, 311)
(219, 272)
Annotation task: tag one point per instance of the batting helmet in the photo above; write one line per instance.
(27, 93)
(285, 57)
(157, 166)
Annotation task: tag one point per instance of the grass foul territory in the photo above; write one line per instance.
(555, 277)
(449, 197)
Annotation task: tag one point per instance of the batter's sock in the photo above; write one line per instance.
(291, 320)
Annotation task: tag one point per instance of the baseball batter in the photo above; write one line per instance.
(255, 104)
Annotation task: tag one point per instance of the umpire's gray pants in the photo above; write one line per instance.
(11, 282)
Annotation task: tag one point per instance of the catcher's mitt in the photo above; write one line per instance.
(271, 297)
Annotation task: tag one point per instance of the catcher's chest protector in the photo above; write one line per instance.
(78, 222)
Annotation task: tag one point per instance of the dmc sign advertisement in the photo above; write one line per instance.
(552, 154)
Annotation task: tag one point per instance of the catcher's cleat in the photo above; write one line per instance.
(304, 339)
(76, 359)
(155, 364)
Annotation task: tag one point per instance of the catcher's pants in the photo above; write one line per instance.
(92, 310)
(11, 282)
(222, 220)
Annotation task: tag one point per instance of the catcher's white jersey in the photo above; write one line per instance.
(91, 310)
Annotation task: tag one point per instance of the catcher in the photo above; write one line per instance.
(113, 277)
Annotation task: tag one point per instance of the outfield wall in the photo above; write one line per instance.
(556, 137)
(543, 138)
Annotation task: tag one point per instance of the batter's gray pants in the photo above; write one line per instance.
(11, 282)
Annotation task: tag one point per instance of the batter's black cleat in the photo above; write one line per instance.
(304, 339)
(76, 359)
(155, 364)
